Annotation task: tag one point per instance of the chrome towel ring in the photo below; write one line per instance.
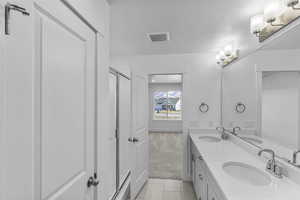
(240, 107)
(204, 108)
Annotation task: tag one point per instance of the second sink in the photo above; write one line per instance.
(247, 173)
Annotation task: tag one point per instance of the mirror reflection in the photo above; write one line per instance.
(267, 82)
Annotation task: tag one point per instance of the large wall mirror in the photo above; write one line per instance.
(267, 82)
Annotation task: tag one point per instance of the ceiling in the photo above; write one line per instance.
(195, 26)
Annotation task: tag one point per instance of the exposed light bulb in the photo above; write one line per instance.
(272, 11)
(222, 55)
(257, 24)
(291, 3)
(228, 50)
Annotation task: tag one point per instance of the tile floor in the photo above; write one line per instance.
(165, 155)
(167, 189)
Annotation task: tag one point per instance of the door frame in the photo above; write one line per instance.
(2, 86)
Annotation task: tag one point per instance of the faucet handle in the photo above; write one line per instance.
(278, 171)
(220, 128)
(237, 128)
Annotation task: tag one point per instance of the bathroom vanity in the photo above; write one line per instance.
(204, 184)
(225, 170)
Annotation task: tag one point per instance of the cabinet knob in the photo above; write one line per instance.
(200, 177)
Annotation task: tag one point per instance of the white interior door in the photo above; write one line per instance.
(64, 103)
(112, 140)
(140, 155)
(124, 128)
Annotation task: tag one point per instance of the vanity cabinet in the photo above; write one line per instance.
(204, 184)
(199, 175)
(212, 195)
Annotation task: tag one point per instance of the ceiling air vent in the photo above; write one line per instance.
(159, 37)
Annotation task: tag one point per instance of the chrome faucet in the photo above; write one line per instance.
(235, 130)
(272, 166)
(224, 135)
(295, 157)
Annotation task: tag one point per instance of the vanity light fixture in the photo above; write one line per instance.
(276, 16)
(292, 4)
(272, 11)
(257, 24)
(227, 55)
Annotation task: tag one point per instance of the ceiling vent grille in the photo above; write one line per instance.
(159, 37)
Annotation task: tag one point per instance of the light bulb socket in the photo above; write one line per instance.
(293, 3)
(271, 20)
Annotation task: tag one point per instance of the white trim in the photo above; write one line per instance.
(81, 17)
(277, 69)
(2, 100)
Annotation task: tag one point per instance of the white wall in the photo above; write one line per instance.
(280, 108)
(163, 125)
(239, 84)
(201, 83)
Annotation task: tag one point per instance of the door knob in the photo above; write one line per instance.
(133, 139)
(92, 181)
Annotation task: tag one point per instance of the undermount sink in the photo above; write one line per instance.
(209, 139)
(247, 173)
(252, 140)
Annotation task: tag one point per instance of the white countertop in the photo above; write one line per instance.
(216, 154)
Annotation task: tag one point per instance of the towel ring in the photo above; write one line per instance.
(204, 108)
(240, 107)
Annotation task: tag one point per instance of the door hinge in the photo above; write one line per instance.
(9, 7)
(117, 134)
(93, 181)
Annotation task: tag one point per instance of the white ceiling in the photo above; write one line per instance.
(195, 26)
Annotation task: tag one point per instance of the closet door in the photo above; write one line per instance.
(112, 142)
(124, 128)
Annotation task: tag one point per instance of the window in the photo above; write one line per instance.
(167, 105)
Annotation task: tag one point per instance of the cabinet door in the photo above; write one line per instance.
(193, 166)
(202, 179)
(197, 184)
(212, 195)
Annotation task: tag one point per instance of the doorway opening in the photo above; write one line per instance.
(165, 126)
